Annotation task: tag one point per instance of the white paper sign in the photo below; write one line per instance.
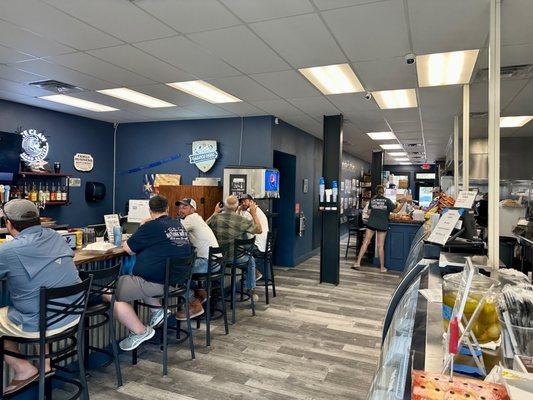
(465, 199)
(111, 220)
(83, 162)
(444, 228)
(138, 211)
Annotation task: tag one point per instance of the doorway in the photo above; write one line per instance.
(285, 222)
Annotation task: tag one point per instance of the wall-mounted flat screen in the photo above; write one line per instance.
(271, 180)
(10, 149)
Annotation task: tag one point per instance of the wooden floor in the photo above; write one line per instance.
(312, 342)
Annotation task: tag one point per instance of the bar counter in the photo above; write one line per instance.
(82, 257)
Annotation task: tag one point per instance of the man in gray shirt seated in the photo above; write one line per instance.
(36, 257)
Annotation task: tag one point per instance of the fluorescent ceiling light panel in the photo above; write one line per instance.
(136, 97)
(515, 122)
(405, 163)
(394, 146)
(333, 79)
(402, 159)
(440, 69)
(403, 98)
(80, 103)
(381, 135)
(205, 91)
(397, 154)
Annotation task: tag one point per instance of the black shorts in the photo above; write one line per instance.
(376, 229)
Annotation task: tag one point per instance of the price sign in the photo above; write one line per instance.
(444, 228)
(465, 199)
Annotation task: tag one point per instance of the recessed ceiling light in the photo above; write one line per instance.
(402, 159)
(333, 79)
(205, 91)
(515, 122)
(403, 98)
(397, 154)
(80, 103)
(135, 97)
(381, 135)
(439, 69)
(394, 146)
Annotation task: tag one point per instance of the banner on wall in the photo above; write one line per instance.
(83, 162)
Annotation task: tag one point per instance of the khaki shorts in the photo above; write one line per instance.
(8, 328)
(132, 287)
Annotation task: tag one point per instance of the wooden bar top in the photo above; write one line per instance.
(84, 256)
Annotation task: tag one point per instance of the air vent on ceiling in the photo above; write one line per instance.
(411, 145)
(56, 86)
(524, 71)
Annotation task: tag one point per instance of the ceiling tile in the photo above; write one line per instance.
(54, 24)
(316, 107)
(190, 16)
(242, 109)
(479, 94)
(13, 74)
(521, 104)
(288, 84)
(439, 26)
(352, 103)
(13, 97)
(362, 38)
(244, 88)
(241, 48)
(138, 61)
(510, 55)
(209, 110)
(30, 43)
(8, 55)
(303, 41)
(400, 127)
(100, 69)
(182, 53)
(516, 22)
(21, 89)
(445, 98)
(330, 4)
(386, 74)
(277, 107)
(258, 10)
(119, 18)
(402, 115)
(63, 74)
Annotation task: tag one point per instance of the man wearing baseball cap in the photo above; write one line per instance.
(201, 237)
(36, 257)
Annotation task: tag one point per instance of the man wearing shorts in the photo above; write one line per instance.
(154, 242)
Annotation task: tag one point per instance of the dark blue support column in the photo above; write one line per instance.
(331, 171)
(376, 169)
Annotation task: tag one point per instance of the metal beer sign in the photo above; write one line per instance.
(204, 154)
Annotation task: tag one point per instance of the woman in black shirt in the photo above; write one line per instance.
(379, 208)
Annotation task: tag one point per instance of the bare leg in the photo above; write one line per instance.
(366, 242)
(125, 313)
(23, 368)
(380, 238)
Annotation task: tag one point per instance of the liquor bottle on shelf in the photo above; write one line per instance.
(53, 193)
(64, 194)
(46, 193)
(59, 195)
(40, 195)
(26, 192)
(33, 193)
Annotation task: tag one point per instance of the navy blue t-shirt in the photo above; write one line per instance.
(154, 242)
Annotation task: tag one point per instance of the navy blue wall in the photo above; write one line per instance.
(67, 135)
(139, 144)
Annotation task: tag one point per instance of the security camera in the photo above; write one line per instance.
(276, 121)
(410, 58)
(368, 96)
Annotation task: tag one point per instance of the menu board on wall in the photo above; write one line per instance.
(237, 184)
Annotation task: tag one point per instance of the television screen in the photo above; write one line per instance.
(10, 149)
(271, 180)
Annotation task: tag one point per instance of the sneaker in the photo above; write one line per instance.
(201, 294)
(258, 275)
(195, 310)
(133, 340)
(156, 318)
(255, 297)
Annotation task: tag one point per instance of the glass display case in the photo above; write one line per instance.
(390, 379)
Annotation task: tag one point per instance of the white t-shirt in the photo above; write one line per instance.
(260, 239)
(200, 234)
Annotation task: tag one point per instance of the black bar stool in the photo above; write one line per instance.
(104, 283)
(215, 274)
(52, 310)
(242, 248)
(178, 272)
(268, 266)
(353, 231)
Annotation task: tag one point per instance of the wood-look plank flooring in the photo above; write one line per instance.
(312, 342)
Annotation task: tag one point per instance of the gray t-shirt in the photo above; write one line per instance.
(37, 257)
(379, 216)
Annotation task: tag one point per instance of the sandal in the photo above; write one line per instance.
(20, 384)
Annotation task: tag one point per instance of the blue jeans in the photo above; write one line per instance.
(249, 283)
